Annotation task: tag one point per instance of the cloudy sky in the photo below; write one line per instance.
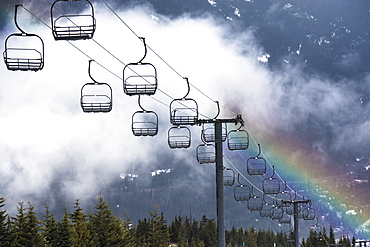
(47, 142)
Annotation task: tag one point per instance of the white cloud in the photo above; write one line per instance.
(44, 133)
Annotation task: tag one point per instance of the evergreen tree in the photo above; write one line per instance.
(3, 228)
(128, 239)
(81, 234)
(142, 232)
(105, 227)
(208, 231)
(251, 238)
(50, 229)
(17, 228)
(64, 231)
(331, 239)
(158, 232)
(33, 228)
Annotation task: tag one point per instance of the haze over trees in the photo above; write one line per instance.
(102, 228)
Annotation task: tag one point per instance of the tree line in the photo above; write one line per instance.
(102, 228)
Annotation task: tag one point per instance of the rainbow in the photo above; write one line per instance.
(326, 184)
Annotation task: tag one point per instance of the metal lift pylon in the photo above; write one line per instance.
(219, 173)
(296, 228)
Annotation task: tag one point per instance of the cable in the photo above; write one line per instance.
(164, 61)
(136, 73)
(110, 53)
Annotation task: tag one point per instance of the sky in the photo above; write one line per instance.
(48, 146)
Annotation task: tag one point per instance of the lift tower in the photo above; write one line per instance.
(219, 173)
(296, 228)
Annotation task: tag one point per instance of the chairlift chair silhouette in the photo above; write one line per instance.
(23, 51)
(206, 153)
(184, 111)
(267, 210)
(271, 185)
(70, 26)
(228, 176)
(255, 202)
(179, 137)
(284, 198)
(277, 213)
(140, 78)
(286, 218)
(208, 129)
(309, 213)
(242, 192)
(238, 139)
(144, 123)
(256, 165)
(96, 96)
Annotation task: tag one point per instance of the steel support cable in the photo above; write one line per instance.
(115, 13)
(110, 53)
(164, 61)
(90, 58)
(268, 162)
(250, 182)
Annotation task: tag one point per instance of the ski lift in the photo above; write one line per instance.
(144, 123)
(72, 26)
(256, 165)
(238, 139)
(255, 202)
(96, 96)
(23, 51)
(316, 228)
(206, 153)
(285, 219)
(284, 198)
(228, 176)
(289, 209)
(309, 213)
(271, 185)
(208, 129)
(184, 111)
(242, 192)
(208, 132)
(140, 78)
(179, 137)
(277, 213)
(267, 210)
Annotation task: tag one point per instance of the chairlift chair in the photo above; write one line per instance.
(283, 198)
(271, 185)
(208, 132)
(256, 165)
(140, 78)
(23, 51)
(289, 210)
(206, 153)
(285, 219)
(238, 139)
(184, 111)
(144, 123)
(277, 213)
(309, 213)
(228, 176)
(255, 202)
(96, 96)
(70, 26)
(266, 210)
(179, 137)
(242, 192)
